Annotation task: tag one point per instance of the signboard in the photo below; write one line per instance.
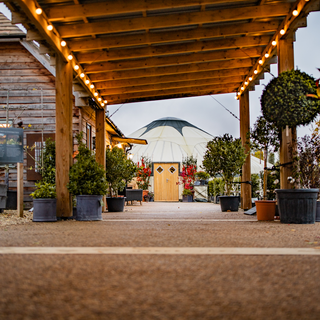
(11, 145)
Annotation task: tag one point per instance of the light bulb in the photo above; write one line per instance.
(274, 42)
(102, 104)
(282, 32)
(267, 55)
(63, 43)
(76, 67)
(96, 94)
(70, 57)
(295, 12)
(82, 75)
(260, 62)
(255, 71)
(99, 99)
(246, 83)
(105, 101)
(87, 81)
(91, 86)
(50, 27)
(242, 88)
(38, 11)
(250, 79)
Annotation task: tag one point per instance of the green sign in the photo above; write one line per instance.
(11, 145)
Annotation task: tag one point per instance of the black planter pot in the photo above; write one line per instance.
(11, 200)
(89, 208)
(229, 203)
(318, 212)
(116, 204)
(44, 210)
(297, 206)
(188, 198)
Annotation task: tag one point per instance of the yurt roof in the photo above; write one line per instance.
(172, 139)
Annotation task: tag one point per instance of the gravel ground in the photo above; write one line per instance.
(164, 286)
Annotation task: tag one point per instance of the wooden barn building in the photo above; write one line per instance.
(28, 100)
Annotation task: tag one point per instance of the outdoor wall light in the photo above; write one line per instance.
(50, 27)
(282, 32)
(63, 43)
(38, 11)
(274, 43)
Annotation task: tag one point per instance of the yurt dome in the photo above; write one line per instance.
(172, 139)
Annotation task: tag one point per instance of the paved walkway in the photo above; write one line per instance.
(161, 261)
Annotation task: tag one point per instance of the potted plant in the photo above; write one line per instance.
(225, 156)
(189, 169)
(216, 188)
(262, 137)
(143, 174)
(44, 197)
(187, 195)
(119, 170)
(149, 197)
(87, 181)
(286, 102)
(202, 176)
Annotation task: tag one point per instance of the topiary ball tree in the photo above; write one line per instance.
(284, 100)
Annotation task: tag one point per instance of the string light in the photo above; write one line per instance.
(38, 11)
(105, 101)
(102, 104)
(76, 67)
(274, 43)
(246, 83)
(63, 43)
(96, 94)
(91, 86)
(260, 62)
(242, 88)
(250, 79)
(70, 57)
(87, 81)
(282, 32)
(50, 27)
(255, 71)
(295, 12)
(267, 55)
(82, 75)
(99, 99)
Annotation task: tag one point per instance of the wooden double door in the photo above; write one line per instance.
(166, 179)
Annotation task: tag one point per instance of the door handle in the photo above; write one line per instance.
(167, 180)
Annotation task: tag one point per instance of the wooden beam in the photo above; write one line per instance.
(20, 189)
(172, 78)
(175, 60)
(64, 144)
(172, 96)
(101, 141)
(219, 66)
(172, 36)
(96, 9)
(288, 137)
(172, 85)
(246, 168)
(164, 50)
(174, 20)
(193, 89)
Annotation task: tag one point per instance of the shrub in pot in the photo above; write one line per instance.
(119, 171)
(287, 102)
(225, 156)
(87, 181)
(44, 197)
(187, 195)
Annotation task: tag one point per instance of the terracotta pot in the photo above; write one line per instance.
(266, 210)
(144, 193)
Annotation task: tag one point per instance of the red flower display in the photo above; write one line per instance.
(144, 173)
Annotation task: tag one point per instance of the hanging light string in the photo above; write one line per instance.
(225, 107)
(116, 110)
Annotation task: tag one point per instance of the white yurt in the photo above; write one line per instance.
(170, 140)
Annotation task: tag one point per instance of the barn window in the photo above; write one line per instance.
(34, 147)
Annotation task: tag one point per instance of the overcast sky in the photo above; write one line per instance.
(205, 112)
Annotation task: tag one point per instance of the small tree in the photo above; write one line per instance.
(224, 156)
(86, 176)
(119, 170)
(263, 136)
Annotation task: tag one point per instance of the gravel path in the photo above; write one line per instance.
(160, 286)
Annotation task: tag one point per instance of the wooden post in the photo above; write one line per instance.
(20, 189)
(246, 168)
(63, 135)
(286, 63)
(101, 141)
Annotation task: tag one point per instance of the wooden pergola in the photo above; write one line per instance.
(139, 50)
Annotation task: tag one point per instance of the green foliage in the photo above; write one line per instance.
(44, 190)
(273, 182)
(271, 158)
(284, 101)
(189, 161)
(119, 170)
(224, 156)
(202, 175)
(187, 192)
(264, 135)
(255, 184)
(144, 172)
(86, 176)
